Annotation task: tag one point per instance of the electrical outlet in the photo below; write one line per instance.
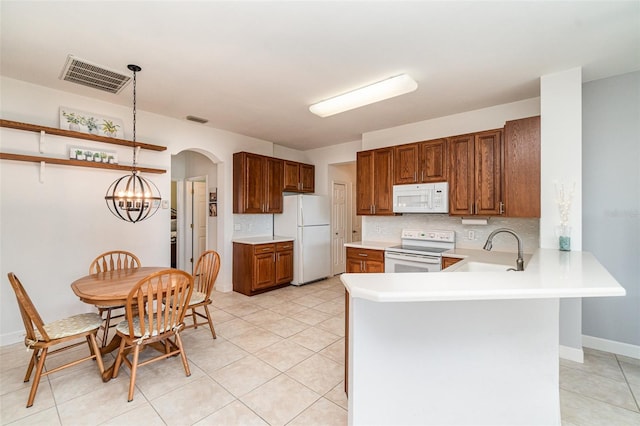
(471, 235)
(237, 227)
(378, 229)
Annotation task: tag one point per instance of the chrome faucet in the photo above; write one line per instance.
(489, 244)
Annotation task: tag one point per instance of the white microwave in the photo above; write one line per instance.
(421, 198)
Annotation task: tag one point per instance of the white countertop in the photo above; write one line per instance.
(372, 245)
(266, 239)
(548, 273)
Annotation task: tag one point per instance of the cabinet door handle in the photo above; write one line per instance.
(361, 266)
(363, 254)
(422, 175)
(501, 207)
(476, 204)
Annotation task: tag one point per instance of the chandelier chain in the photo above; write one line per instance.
(134, 121)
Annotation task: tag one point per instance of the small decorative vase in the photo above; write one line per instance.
(564, 237)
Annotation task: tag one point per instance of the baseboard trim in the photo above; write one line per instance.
(571, 354)
(618, 348)
(11, 338)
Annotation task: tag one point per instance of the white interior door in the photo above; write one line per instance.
(195, 224)
(338, 227)
(187, 253)
(200, 214)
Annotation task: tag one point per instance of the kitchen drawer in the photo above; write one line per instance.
(368, 254)
(264, 248)
(287, 245)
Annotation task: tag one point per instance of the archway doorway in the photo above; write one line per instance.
(194, 208)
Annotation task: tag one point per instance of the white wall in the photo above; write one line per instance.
(561, 162)
(611, 204)
(52, 230)
(335, 154)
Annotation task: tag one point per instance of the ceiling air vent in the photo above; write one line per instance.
(197, 119)
(83, 72)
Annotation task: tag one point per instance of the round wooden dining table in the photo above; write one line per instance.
(111, 288)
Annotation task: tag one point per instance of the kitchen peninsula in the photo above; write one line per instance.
(464, 347)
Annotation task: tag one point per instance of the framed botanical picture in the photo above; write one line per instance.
(213, 209)
(88, 122)
(213, 196)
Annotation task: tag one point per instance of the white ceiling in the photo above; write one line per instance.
(255, 67)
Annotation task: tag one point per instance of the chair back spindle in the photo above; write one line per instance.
(30, 316)
(207, 269)
(113, 260)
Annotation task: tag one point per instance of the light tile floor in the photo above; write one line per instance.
(278, 359)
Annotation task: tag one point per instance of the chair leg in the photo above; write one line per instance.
(134, 369)
(93, 345)
(36, 379)
(107, 323)
(32, 363)
(213, 330)
(116, 366)
(193, 315)
(185, 363)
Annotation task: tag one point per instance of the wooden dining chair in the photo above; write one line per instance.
(109, 261)
(155, 312)
(204, 280)
(40, 337)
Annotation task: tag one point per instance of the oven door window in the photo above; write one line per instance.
(412, 267)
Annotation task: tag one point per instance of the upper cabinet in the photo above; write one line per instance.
(374, 182)
(257, 183)
(475, 174)
(522, 167)
(420, 162)
(299, 177)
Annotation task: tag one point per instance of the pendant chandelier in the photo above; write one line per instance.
(133, 198)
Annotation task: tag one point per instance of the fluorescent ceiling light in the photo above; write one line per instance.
(376, 92)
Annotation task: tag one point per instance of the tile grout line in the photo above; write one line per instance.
(628, 384)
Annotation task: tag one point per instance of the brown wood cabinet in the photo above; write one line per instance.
(374, 182)
(420, 162)
(522, 167)
(257, 183)
(262, 267)
(475, 174)
(364, 260)
(448, 261)
(284, 262)
(299, 177)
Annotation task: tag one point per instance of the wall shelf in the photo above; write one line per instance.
(78, 163)
(78, 135)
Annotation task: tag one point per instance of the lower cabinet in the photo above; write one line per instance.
(448, 261)
(262, 267)
(364, 260)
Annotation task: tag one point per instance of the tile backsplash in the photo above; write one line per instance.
(389, 228)
(246, 225)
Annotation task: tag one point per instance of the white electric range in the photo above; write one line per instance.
(420, 251)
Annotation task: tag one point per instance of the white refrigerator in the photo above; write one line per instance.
(306, 218)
